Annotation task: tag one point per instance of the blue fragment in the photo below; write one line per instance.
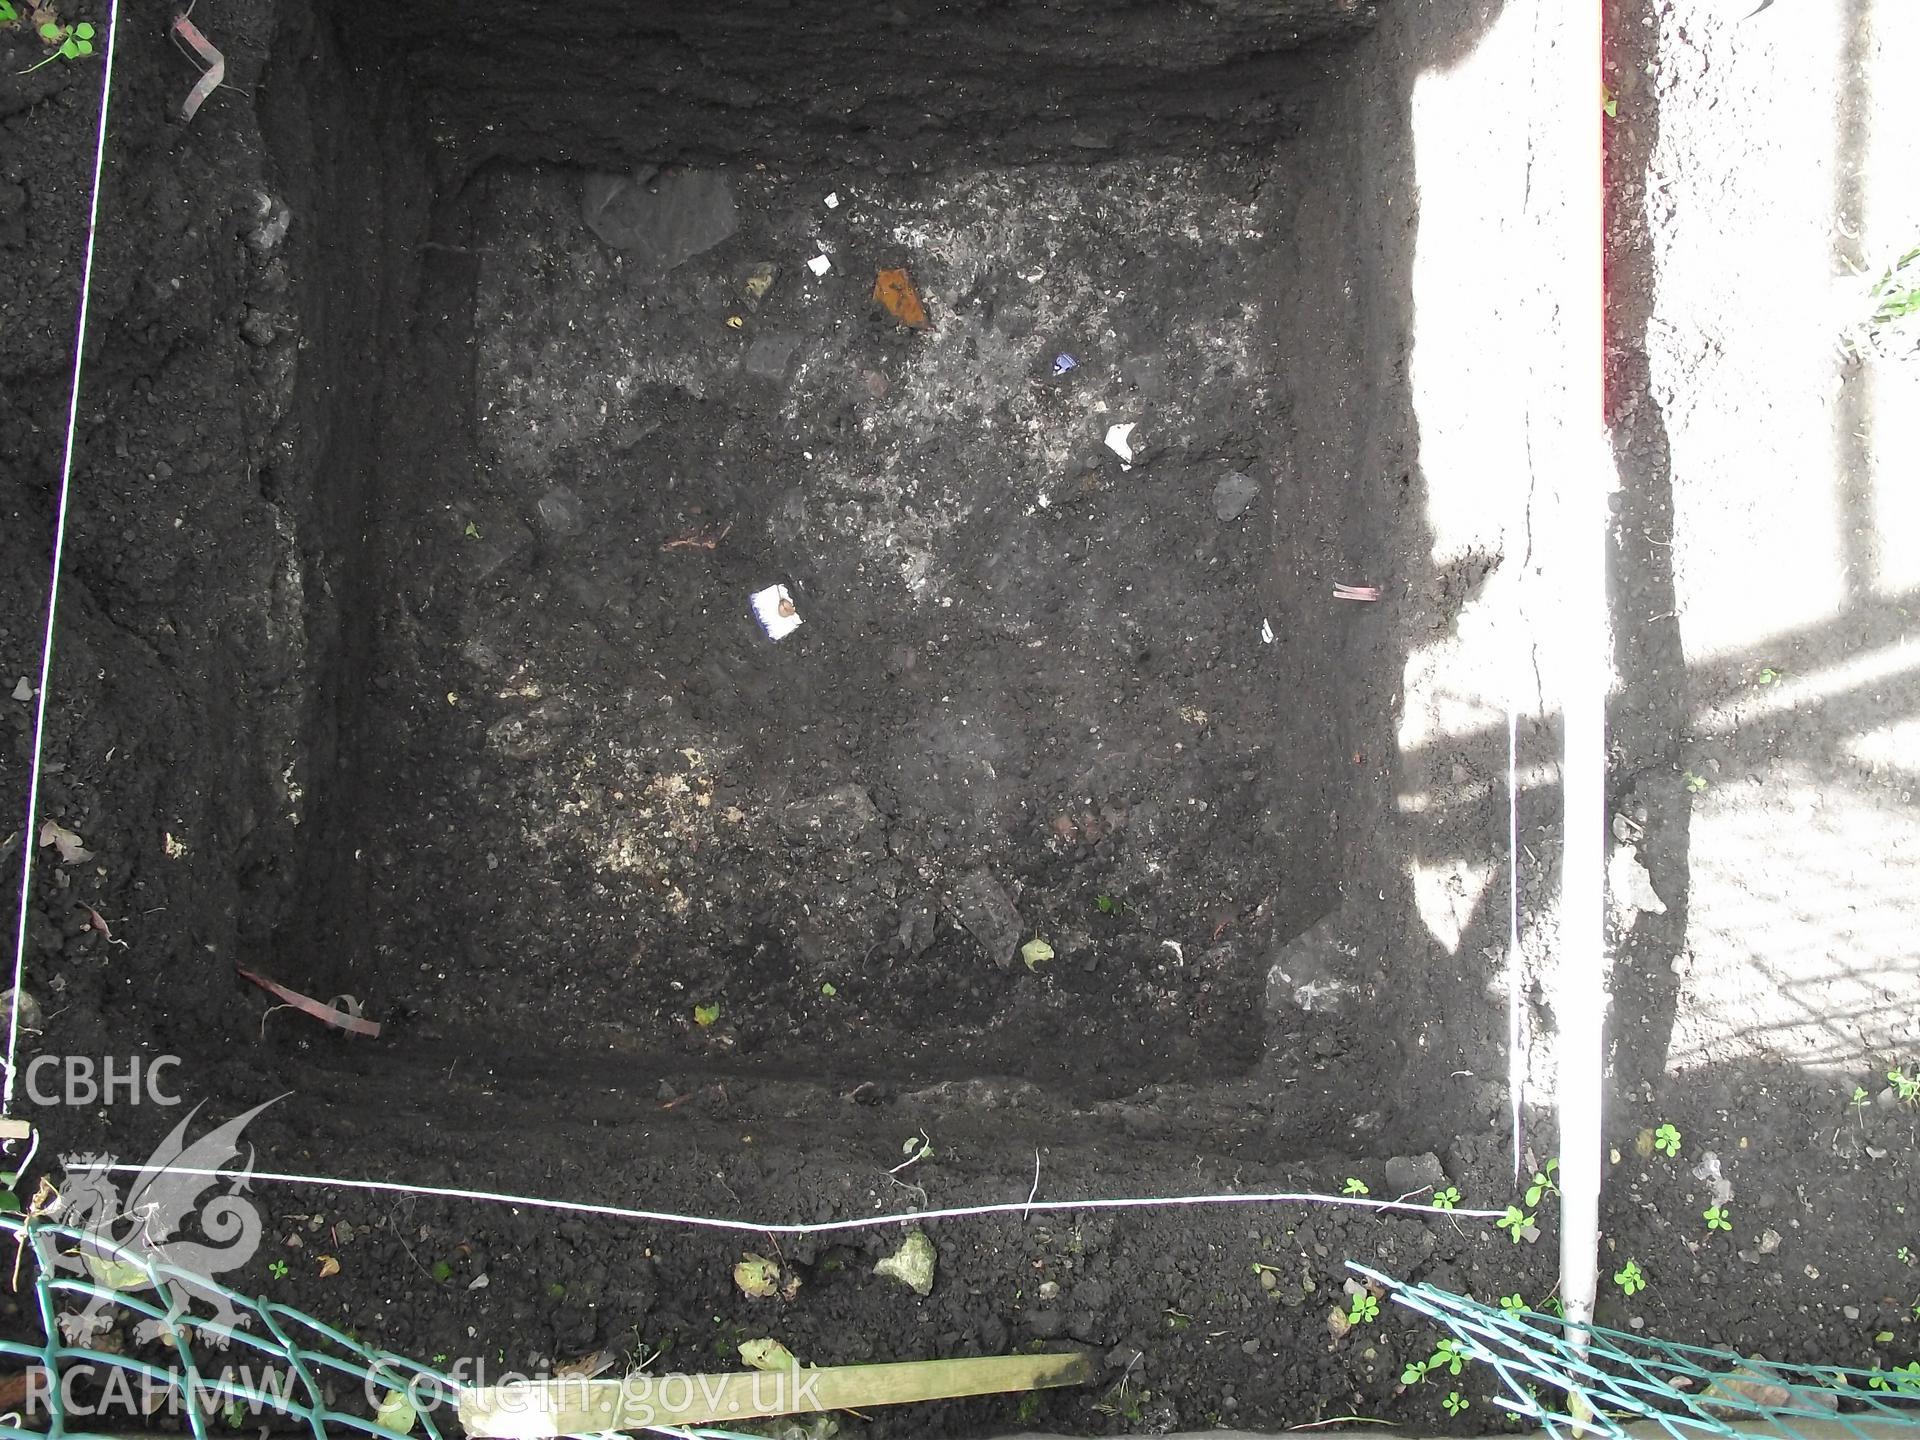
(1063, 363)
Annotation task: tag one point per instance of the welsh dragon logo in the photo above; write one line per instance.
(167, 1193)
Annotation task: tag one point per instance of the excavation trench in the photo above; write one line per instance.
(1067, 830)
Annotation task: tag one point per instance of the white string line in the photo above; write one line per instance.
(868, 1222)
(28, 840)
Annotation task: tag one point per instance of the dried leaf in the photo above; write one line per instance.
(72, 849)
(912, 1264)
(329, 1267)
(117, 1274)
(1339, 1322)
(586, 1367)
(396, 1413)
(893, 290)
(762, 1279)
(767, 1355)
(757, 1276)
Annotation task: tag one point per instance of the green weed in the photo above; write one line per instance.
(1514, 1222)
(70, 42)
(1902, 1379)
(1543, 1183)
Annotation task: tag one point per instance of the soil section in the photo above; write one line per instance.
(1029, 697)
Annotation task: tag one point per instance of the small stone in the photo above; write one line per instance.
(1708, 1170)
(1630, 887)
(988, 914)
(758, 282)
(912, 1264)
(1049, 1290)
(843, 819)
(31, 1017)
(1409, 1173)
(1769, 1241)
(561, 512)
(919, 918)
(24, 690)
(1046, 1322)
(771, 354)
(1755, 1384)
(660, 218)
(1233, 495)
(257, 327)
(1637, 1322)
(1852, 1312)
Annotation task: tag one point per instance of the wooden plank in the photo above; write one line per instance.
(541, 1408)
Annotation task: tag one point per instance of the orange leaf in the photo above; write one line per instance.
(328, 1266)
(894, 290)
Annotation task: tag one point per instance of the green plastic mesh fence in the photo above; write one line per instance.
(1687, 1391)
(230, 1363)
(233, 1363)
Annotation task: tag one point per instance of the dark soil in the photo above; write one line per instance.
(380, 669)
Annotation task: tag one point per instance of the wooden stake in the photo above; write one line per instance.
(537, 1409)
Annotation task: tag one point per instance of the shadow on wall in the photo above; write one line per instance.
(1784, 752)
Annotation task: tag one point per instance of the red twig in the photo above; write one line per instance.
(216, 63)
(700, 542)
(307, 1004)
(1355, 592)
